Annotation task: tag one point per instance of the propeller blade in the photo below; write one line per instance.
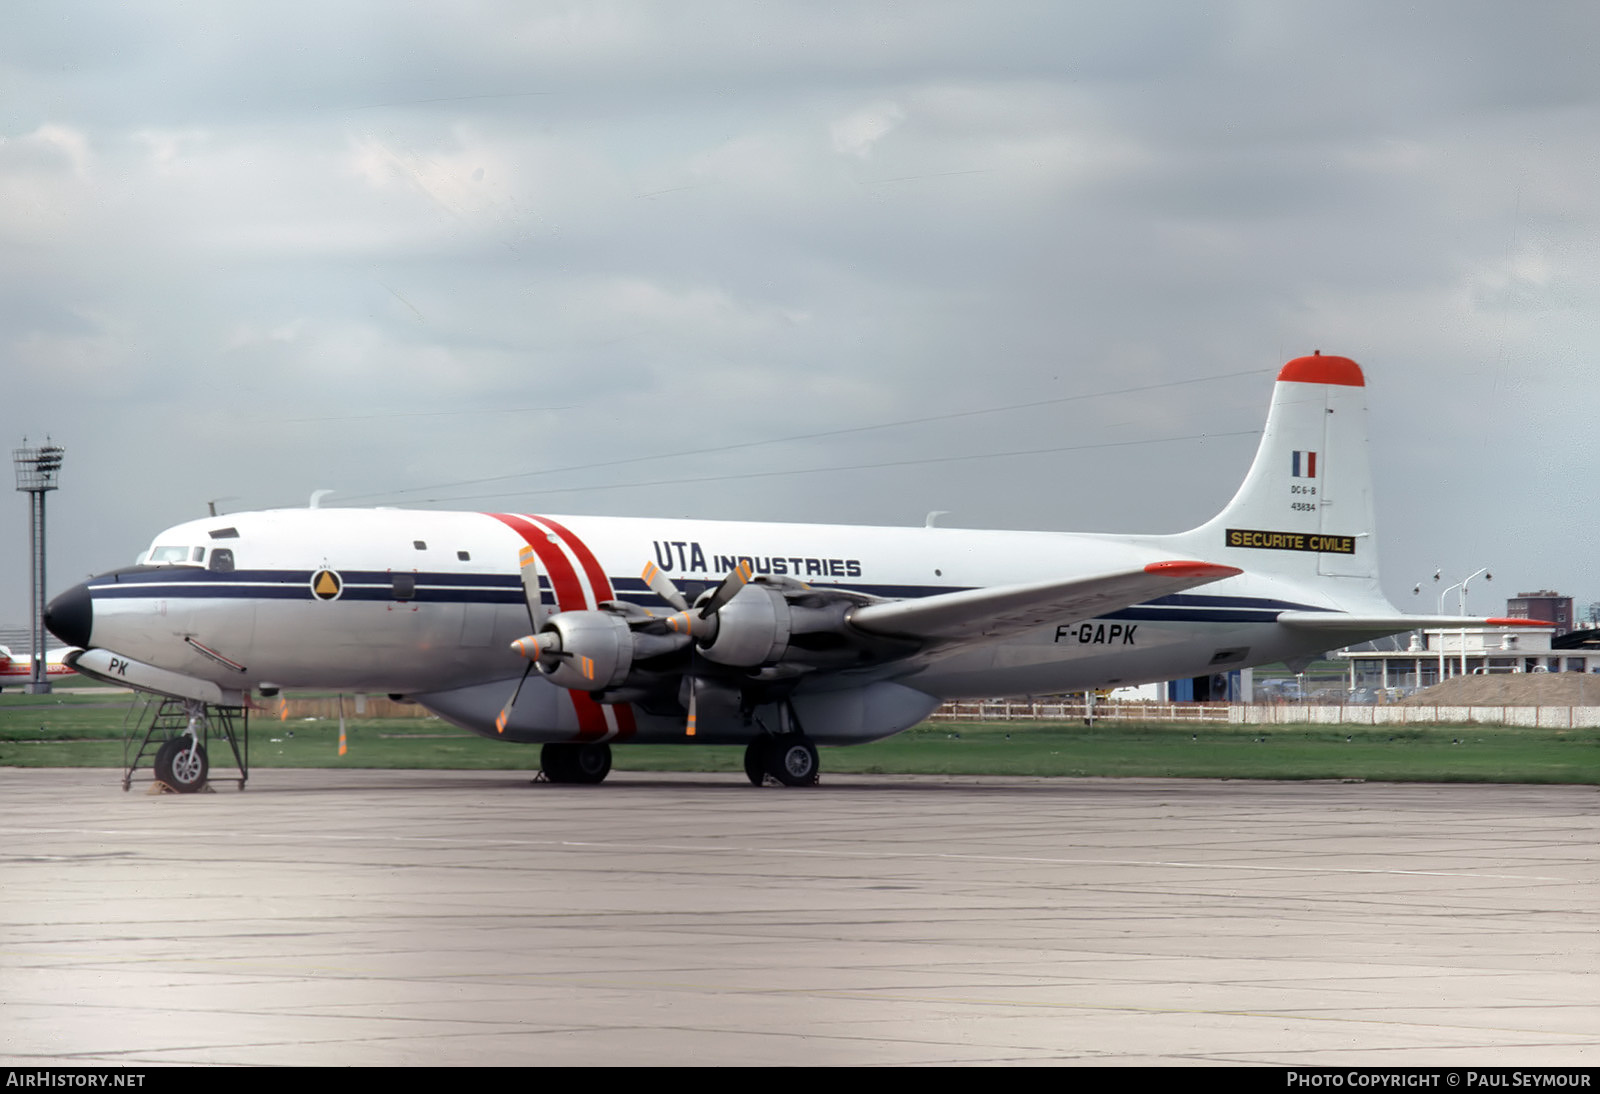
(662, 586)
(528, 562)
(689, 725)
(738, 579)
(505, 711)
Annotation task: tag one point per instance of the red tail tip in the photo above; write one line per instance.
(1318, 369)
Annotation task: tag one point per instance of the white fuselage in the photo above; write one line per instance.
(427, 603)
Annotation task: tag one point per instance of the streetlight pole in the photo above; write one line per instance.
(1487, 576)
(1442, 595)
(37, 468)
(1415, 591)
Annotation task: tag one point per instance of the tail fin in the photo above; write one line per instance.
(1304, 512)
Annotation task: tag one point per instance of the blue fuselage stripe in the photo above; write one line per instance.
(456, 588)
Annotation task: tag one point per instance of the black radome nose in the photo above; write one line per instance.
(70, 616)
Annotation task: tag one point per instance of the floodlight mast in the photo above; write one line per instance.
(37, 467)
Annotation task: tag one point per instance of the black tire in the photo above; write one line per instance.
(585, 764)
(755, 760)
(553, 761)
(793, 761)
(180, 767)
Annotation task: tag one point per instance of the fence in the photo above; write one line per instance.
(1363, 715)
(1059, 710)
(1074, 710)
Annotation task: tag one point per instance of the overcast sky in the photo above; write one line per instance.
(450, 254)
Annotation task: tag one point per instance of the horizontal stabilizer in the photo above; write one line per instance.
(1340, 623)
(984, 615)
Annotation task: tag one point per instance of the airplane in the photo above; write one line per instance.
(581, 632)
(17, 668)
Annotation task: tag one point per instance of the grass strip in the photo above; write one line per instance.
(76, 731)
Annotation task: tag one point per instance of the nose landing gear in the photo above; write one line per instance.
(181, 729)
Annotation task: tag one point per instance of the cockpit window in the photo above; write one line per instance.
(197, 555)
(161, 555)
(221, 561)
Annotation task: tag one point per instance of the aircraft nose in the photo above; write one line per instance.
(70, 616)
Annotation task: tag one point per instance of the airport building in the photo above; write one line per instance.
(1436, 654)
(1543, 604)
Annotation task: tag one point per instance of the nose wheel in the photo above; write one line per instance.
(181, 764)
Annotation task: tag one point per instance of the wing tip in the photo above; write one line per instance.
(1190, 568)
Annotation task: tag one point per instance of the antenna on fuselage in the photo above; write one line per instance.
(211, 505)
(316, 498)
(933, 515)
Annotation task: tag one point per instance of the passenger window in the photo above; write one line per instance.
(221, 561)
(464, 556)
(419, 544)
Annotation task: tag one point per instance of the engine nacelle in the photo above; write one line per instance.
(594, 650)
(751, 629)
(771, 624)
(589, 651)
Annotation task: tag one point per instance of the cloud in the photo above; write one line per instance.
(227, 228)
(856, 134)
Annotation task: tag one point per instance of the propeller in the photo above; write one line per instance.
(528, 563)
(689, 621)
(605, 642)
(684, 621)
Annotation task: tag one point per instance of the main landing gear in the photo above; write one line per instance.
(585, 764)
(791, 759)
(787, 756)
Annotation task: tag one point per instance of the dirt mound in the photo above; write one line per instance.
(1532, 689)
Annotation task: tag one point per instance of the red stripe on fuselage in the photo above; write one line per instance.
(570, 598)
(600, 584)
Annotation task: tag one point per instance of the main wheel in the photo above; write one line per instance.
(567, 763)
(793, 761)
(755, 760)
(181, 766)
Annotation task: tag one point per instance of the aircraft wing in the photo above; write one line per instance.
(984, 615)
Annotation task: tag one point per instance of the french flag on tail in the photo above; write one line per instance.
(1305, 465)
